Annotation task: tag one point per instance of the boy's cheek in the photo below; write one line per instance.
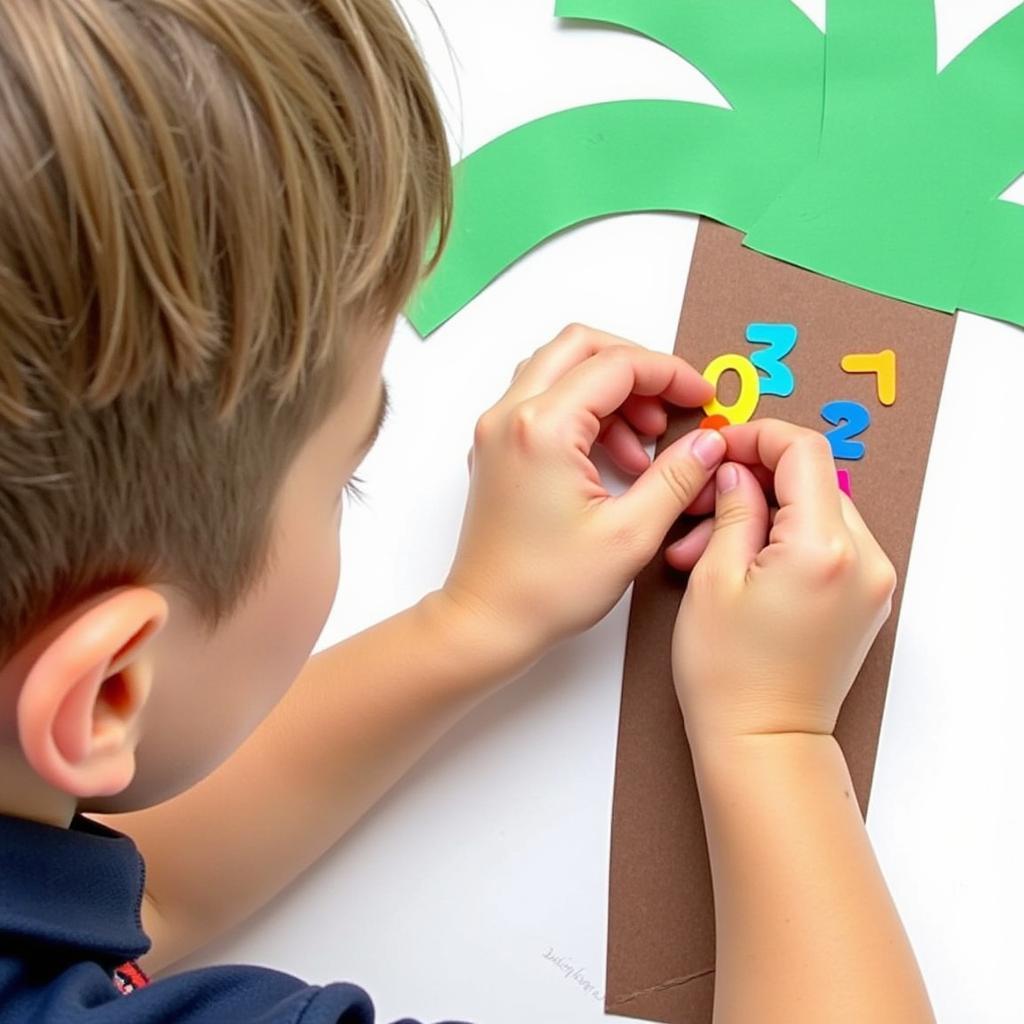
(211, 693)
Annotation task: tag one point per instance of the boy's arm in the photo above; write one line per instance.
(545, 552)
(772, 631)
(807, 930)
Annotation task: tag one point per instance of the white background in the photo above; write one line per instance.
(444, 901)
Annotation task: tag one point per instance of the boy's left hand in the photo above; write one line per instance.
(545, 550)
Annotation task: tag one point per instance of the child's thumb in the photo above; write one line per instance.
(672, 483)
(741, 520)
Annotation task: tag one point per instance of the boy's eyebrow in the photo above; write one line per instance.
(382, 415)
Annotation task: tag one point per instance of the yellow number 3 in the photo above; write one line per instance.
(743, 409)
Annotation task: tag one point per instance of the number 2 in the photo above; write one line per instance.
(781, 340)
(851, 419)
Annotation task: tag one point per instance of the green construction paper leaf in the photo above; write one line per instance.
(985, 84)
(874, 44)
(993, 285)
(910, 163)
(847, 154)
(726, 41)
(590, 162)
(635, 155)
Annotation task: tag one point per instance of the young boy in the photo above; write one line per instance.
(212, 212)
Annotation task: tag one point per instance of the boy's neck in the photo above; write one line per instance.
(24, 795)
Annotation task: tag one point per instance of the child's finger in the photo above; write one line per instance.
(601, 384)
(685, 553)
(669, 486)
(574, 345)
(646, 415)
(704, 504)
(623, 446)
(867, 544)
(803, 469)
(740, 524)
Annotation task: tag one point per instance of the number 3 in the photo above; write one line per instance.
(851, 420)
(781, 340)
(743, 409)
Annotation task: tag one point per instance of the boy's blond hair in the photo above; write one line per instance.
(201, 203)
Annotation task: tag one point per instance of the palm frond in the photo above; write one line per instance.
(869, 42)
(614, 158)
(983, 91)
(571, 167)
(993, 284)
(726, 41)
(847, 154)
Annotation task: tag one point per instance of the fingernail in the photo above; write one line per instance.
(728, 478)
(708, 447)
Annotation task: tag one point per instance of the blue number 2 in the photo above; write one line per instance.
(851, 420)
(780, 339)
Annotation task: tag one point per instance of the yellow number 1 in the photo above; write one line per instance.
(881, 363)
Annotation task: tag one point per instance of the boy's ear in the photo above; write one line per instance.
(79, 706)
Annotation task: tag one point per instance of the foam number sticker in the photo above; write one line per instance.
(743, 409)
(781, 340)
(883, 364)
(851, 419)
(714, 423)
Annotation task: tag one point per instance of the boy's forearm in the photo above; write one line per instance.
(360, 715)
(806, 929)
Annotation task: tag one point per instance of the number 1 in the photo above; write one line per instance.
(881, 363)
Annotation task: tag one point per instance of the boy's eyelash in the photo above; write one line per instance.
(354, 489)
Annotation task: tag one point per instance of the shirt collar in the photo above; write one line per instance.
(77, 889)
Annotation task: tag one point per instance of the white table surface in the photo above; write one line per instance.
(451, 897)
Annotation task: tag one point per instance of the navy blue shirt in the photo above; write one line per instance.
(71, 930)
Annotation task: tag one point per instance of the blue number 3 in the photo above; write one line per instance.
(780, 339)
(851, 419)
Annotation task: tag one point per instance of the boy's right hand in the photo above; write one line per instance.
(778, 617)
(546, 549)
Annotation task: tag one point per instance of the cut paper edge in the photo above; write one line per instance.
(632, 156)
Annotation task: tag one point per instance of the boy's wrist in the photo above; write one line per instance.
(484, 650)
(724, 764)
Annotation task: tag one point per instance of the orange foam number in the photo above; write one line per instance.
(714, 423)
(883, 364)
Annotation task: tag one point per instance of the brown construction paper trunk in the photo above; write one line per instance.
(661, 931)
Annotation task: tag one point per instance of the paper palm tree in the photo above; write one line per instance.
(849, 167)
(845, 154)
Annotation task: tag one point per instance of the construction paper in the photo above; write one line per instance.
(634, 155)
(992, 286)
(740, 46)
(845, 153)
(882, 365)
(900, 197)
(661, 917)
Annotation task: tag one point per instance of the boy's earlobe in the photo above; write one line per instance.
(79, 706)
